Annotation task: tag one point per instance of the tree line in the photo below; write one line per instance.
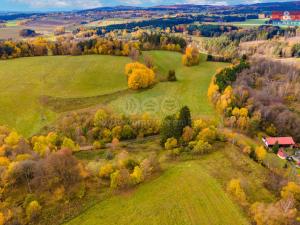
(94, 45)
(257, 97)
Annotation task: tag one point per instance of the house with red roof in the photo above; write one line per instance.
(283, 142)
(282, 154)
(286, 15)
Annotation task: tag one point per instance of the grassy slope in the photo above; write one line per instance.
(251, 22)
(83, 81)
(24, 80)
(167, 97)
(184, 194)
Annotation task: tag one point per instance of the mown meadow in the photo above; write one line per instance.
(185, 193)
(36, 91)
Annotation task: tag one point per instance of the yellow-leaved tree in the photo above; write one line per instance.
(191, 57)
(234, 187)
(139, 76)
(260, 153)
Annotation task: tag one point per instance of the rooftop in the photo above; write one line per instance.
(280, 140)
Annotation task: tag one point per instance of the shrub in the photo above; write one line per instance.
(172, 75)
(12, 139)
(208, 135)
(171, 143)
(100, 118)
(98, 145)
(150, 165)
(106, 171)
(109, 155)
(29, 198)
(94, 167)
(116, 132)
(137, 175)
(202, 147)
(127, 132)
(120, 179)
(188, 134)
(33, 210)
(69, 144)
(130, 164)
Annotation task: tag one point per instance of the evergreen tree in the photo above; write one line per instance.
(184, 119)
(169, 128)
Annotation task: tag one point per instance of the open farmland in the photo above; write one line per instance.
(22, 89)
(184, 194)
(47, 86)
(167, 97)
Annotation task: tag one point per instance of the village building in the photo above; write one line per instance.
(291, 18)
(282, 142)
(261, 16)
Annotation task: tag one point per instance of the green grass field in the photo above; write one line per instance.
(35, 91)
(190, 192)
(184, 194)
(167, 97)
(25, 80)
(251, 22)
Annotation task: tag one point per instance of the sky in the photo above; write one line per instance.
(62, 5)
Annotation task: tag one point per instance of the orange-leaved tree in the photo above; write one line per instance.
(139, 76)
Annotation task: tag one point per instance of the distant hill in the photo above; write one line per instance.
(258, 7)
(114, 8)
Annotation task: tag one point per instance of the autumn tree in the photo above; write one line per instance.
(234, 187)
(191, 57)
(282, 212)
(69, 144)
(2, 219)
(100, 118)
(171, 143)
(137, 175)
(260, 153)
(292, 189)
(60, 168)
(33, 210)
(120, 179)
(188, 134)
(202, 147)
(208, 134)
(106, 171)
(12, 139)
(139, 76)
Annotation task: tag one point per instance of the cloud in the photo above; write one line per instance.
(61, 3)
